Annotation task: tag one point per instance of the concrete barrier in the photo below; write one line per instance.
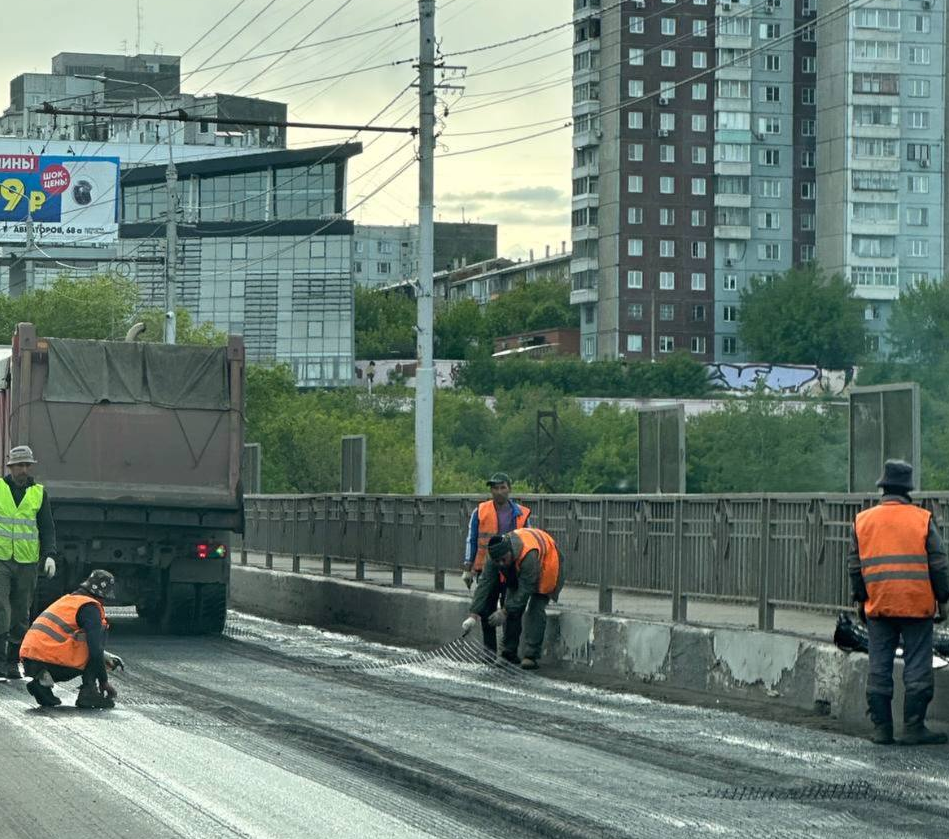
(788, 670)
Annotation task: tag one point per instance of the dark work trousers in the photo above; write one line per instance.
(489, 634)
(33, 668)
(917, 635)
(17, 584)
(534, 620)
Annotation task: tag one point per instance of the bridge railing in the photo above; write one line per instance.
(773, 551)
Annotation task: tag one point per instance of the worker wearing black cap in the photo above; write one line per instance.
(495, 517)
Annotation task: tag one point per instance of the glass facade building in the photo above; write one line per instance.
(264, 251)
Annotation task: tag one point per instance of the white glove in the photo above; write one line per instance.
(469, 624)
(498, 618)
(467, 577)
(113, 662)
(49, 567)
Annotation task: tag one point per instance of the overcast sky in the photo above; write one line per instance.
(523, 187)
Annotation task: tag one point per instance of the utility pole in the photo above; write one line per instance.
(425, 372)
(171, 245)
(652, 325)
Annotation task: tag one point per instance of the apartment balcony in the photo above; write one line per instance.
(723, 199)
(586, 170)
(876, 132)
(734, 72)
(730, 167)
(882, 99)
(733, 42)
(876, 292)
(587, 199)
(582, 139)
(732, 231)
(584, 231)
(584, 295)
(875, 228)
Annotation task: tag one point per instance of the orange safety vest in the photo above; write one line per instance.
(55, 636)
(891, 538)
(534, 539)
(488, 527)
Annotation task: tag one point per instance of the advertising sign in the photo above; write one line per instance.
(71, 200)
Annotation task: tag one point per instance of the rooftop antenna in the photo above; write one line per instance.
(141, 25)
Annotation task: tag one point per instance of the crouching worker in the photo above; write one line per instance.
(68, 640)
(528, 561)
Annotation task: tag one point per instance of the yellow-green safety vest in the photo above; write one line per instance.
(19, 534)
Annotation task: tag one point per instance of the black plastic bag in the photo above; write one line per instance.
(851, 636)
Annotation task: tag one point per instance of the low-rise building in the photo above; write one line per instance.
(539, 343)
(487, 280)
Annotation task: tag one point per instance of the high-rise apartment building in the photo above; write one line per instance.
(881, 147)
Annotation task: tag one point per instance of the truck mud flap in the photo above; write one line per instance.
(194, 609)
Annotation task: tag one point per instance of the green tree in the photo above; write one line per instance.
(204, 334)
(459, 327)
(384, 324)
(511, 312)
(803, 317)
(918, 327)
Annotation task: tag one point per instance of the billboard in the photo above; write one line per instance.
(69, 199)
(661, 449)
(884, 424)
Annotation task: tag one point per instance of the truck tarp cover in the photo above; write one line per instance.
(123, 372)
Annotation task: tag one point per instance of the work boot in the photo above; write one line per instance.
(12, 670)
(529, 664)
(89, 697)
(880, 709)
(13, 661)
(915, 732)
(511, 658)
(43, 695)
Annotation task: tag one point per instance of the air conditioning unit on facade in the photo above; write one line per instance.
(924, 163)
(927, 4)
(663, 100)
(729, 263)
(639, 4)
(663, 132)
(726, 7)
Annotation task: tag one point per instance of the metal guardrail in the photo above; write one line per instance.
(776, 551)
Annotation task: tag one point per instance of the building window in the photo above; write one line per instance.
(886, 19)
(698, 282)
(357, 266)
(772, 62)
(769, 31)
(917, 151)
(808, 96)
(808, 64)
(918, 183)
(634, 343)
(808, 190)
(919, 23)
(636, 56)
(729, 345)
(667, 343)
(634, 215)
(634, 119)
(384, 267)
(634, 279)
(769, 252)
(667, 280)
(808, 128)
(667, 185)
(698, 344)
(667, 26)
(918, 119)
(919, 88)
(699, 123)
(667, 311)
(807, 221)
(698, 313)
(917, 277)
(769, 125)
(699, 218)
(667, 122)
(635, 87)
(699, 250)
(807, 254)
(769, 221)
(667, 248)
(877, 50)
(698, 186)
(730, 314)
(634, 247)
(769, 157)
(634, 152)
(636, 26)
(667, 91)
(919, 247)
(918, 55)
(667, 216)
(667, 154)
(769, 188)
(730, 282)
(634, 183)
(635, 311)
(700, 59)
(809, 33)
(667, 58)
(699, 155)
(808, 159)
(699, 92)
(699, 28)
(770, 93)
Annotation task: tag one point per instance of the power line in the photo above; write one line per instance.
(337, 76)
(215, 26)
(519, 40)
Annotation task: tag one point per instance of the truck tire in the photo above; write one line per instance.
(212, 608)
(178, 614)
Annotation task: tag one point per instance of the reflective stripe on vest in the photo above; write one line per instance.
(488, 527)
(55, 636)
(535, 539)
(891, 538)
(19, 534)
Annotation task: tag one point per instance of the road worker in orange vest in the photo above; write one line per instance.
(529, 561)
(899, 580)
(496, 517)
(68, 640)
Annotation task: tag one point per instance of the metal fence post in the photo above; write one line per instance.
(606, 591)
(268, 554)
(295, 556)
(679, 600)
(439, 540)
(327, 559)
(765, 607)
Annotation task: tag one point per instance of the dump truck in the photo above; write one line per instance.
(139, 447)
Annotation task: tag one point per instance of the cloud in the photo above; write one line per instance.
(523, 195)
(521, 217)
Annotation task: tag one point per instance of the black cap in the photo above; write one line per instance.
(100, 584)
(897, 474)
(499, 547)
(499, 478)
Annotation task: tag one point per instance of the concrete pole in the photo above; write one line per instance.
(425, 373)
(171, 246)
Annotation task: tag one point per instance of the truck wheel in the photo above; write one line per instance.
(178, 615)
(212, 608)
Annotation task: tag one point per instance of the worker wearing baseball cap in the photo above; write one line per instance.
(494, 517)
(27, 534)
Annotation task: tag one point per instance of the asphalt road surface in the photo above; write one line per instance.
(285, 732)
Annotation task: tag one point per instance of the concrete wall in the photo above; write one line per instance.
(791, 671)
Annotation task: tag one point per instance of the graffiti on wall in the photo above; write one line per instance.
(780, 378)
(389, 372)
